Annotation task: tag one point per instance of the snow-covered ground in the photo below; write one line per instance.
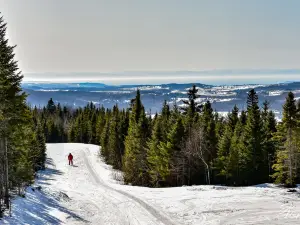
(88, 194)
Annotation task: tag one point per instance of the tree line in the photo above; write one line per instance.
(22, 141)
(186, 145)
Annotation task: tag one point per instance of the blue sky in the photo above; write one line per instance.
(97, 36)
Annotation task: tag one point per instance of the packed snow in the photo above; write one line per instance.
(91, 192)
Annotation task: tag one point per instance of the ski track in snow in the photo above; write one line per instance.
(149, 208)
(86, 193)
(78, 195)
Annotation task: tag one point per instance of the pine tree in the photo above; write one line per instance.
(287, 157)
(134, 162)
(170, 153)
(105, 139)
(239, 157)
(192, 107)
(14, 120)
(157, 159)
(209, 128)
(254, 141)
(40, 156)
(100, 124)
(114, 147)
(165, 118)
(269, 129)
(224, 147)
(233, 118)
(51, 108)
(243, 117)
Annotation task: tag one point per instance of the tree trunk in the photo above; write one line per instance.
(6, 199)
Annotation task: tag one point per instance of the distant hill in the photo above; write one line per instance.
(223, 97)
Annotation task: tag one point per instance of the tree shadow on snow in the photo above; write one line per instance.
(47, 175)
(40, 207)
(36, 209)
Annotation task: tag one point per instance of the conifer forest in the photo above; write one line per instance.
(186, 145)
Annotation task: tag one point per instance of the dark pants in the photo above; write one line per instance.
(70, 162)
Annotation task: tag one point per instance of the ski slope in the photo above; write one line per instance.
(87, 194)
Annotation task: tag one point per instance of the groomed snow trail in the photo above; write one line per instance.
(80, 194)
(85, 187)
(87, 193)
(159, 217)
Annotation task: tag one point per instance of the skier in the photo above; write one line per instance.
(70, 158)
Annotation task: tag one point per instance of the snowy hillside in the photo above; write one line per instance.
(88, 194)
(223, 98)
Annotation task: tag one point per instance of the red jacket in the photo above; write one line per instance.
(70, 157)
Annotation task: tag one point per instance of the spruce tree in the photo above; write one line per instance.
(158, 166)
(15, 120)
(233, 118)
(105, 139)
(41, 144)
(239, 157)
(170, 153)
(209, 128)
(191, 108)
(113, 145)
(258, 172)
(224, 147)
(51, 107)
(269, 129)
(134, 162)
(287, 156)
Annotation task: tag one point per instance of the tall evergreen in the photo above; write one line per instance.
(113, 144)
(209, 128)
(254, 141)
(269, 129)
(170, 153)
(287, 156)
(192, 107)
(51, 106)
(105, 138)
(15, 121)
(233, 118)
(157, 158)
(134, 162)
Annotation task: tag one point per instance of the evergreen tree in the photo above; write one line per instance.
(224, 147)
(239, 157)
(51, 108)
(192, 107)
(169, 154)
(243, 117)
(233, 118)
(105, 139)
(287, 157)
(165, 118)
(15, 119)
(254, 141)
(209, 128)
(134, 162)
(114, 146)
(157, 159)
(40, 157)
(269, 129)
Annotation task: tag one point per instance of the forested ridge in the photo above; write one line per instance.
(186, 145)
